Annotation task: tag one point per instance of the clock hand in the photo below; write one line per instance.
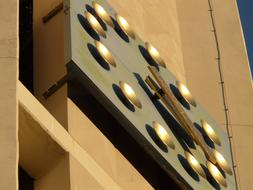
(172, 104)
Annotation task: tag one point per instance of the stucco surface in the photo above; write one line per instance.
(49, 64)
(8, 96)
(102, 150)
(39, 119)
(239, 89)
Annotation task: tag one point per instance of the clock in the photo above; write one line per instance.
(129, 78)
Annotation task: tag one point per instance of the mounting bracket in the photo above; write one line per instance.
(52, 13)
(56, 86)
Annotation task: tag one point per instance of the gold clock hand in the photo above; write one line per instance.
(172, 104)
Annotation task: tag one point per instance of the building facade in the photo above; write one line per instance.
(60, 143)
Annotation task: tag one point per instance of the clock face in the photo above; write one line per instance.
(107, 57)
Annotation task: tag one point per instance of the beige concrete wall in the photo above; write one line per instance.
(56, 178)
(80, 178)
(49, 65)
(39, 154)
(103, 152)
(238, 87)
(8, 97)
(55, 146)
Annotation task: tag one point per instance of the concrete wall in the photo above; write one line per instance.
(39, 154)
(238, 85)
(49, 65)
(8, 95)
(105, 154)
(55, 158)
(56, 178)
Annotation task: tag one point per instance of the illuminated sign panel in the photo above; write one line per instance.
(130, 79)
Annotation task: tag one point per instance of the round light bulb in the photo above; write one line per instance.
(130, 94)
(95, 24)
(222, 162)
(123, 22)
(102, 14)
(210, 132)
(184, 91)
(153, 52)
(215, 172)
(194, 164)
(125, 27)
(105, 53)
(163, 134)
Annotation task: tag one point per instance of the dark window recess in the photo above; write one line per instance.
(26, 43)
(25, 182)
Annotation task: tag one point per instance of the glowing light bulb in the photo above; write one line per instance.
(102, 14)
(220, 158)
(101, 10)
(104, 50)
(125, 26)
(163, 135)
(222, 162)
(129, 90)
(130, 94)
(105, 53)
(185, 93)
(210, 132)
(93, 20)
(185, 90)
(95, 24)
(194, 164)
(215, 172)
(209, 129)
(123, 22)
(153, 52)
(193, 161)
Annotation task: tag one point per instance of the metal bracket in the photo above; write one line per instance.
(56, 86)
(52, 13)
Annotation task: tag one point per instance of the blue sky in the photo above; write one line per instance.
(246, 14)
